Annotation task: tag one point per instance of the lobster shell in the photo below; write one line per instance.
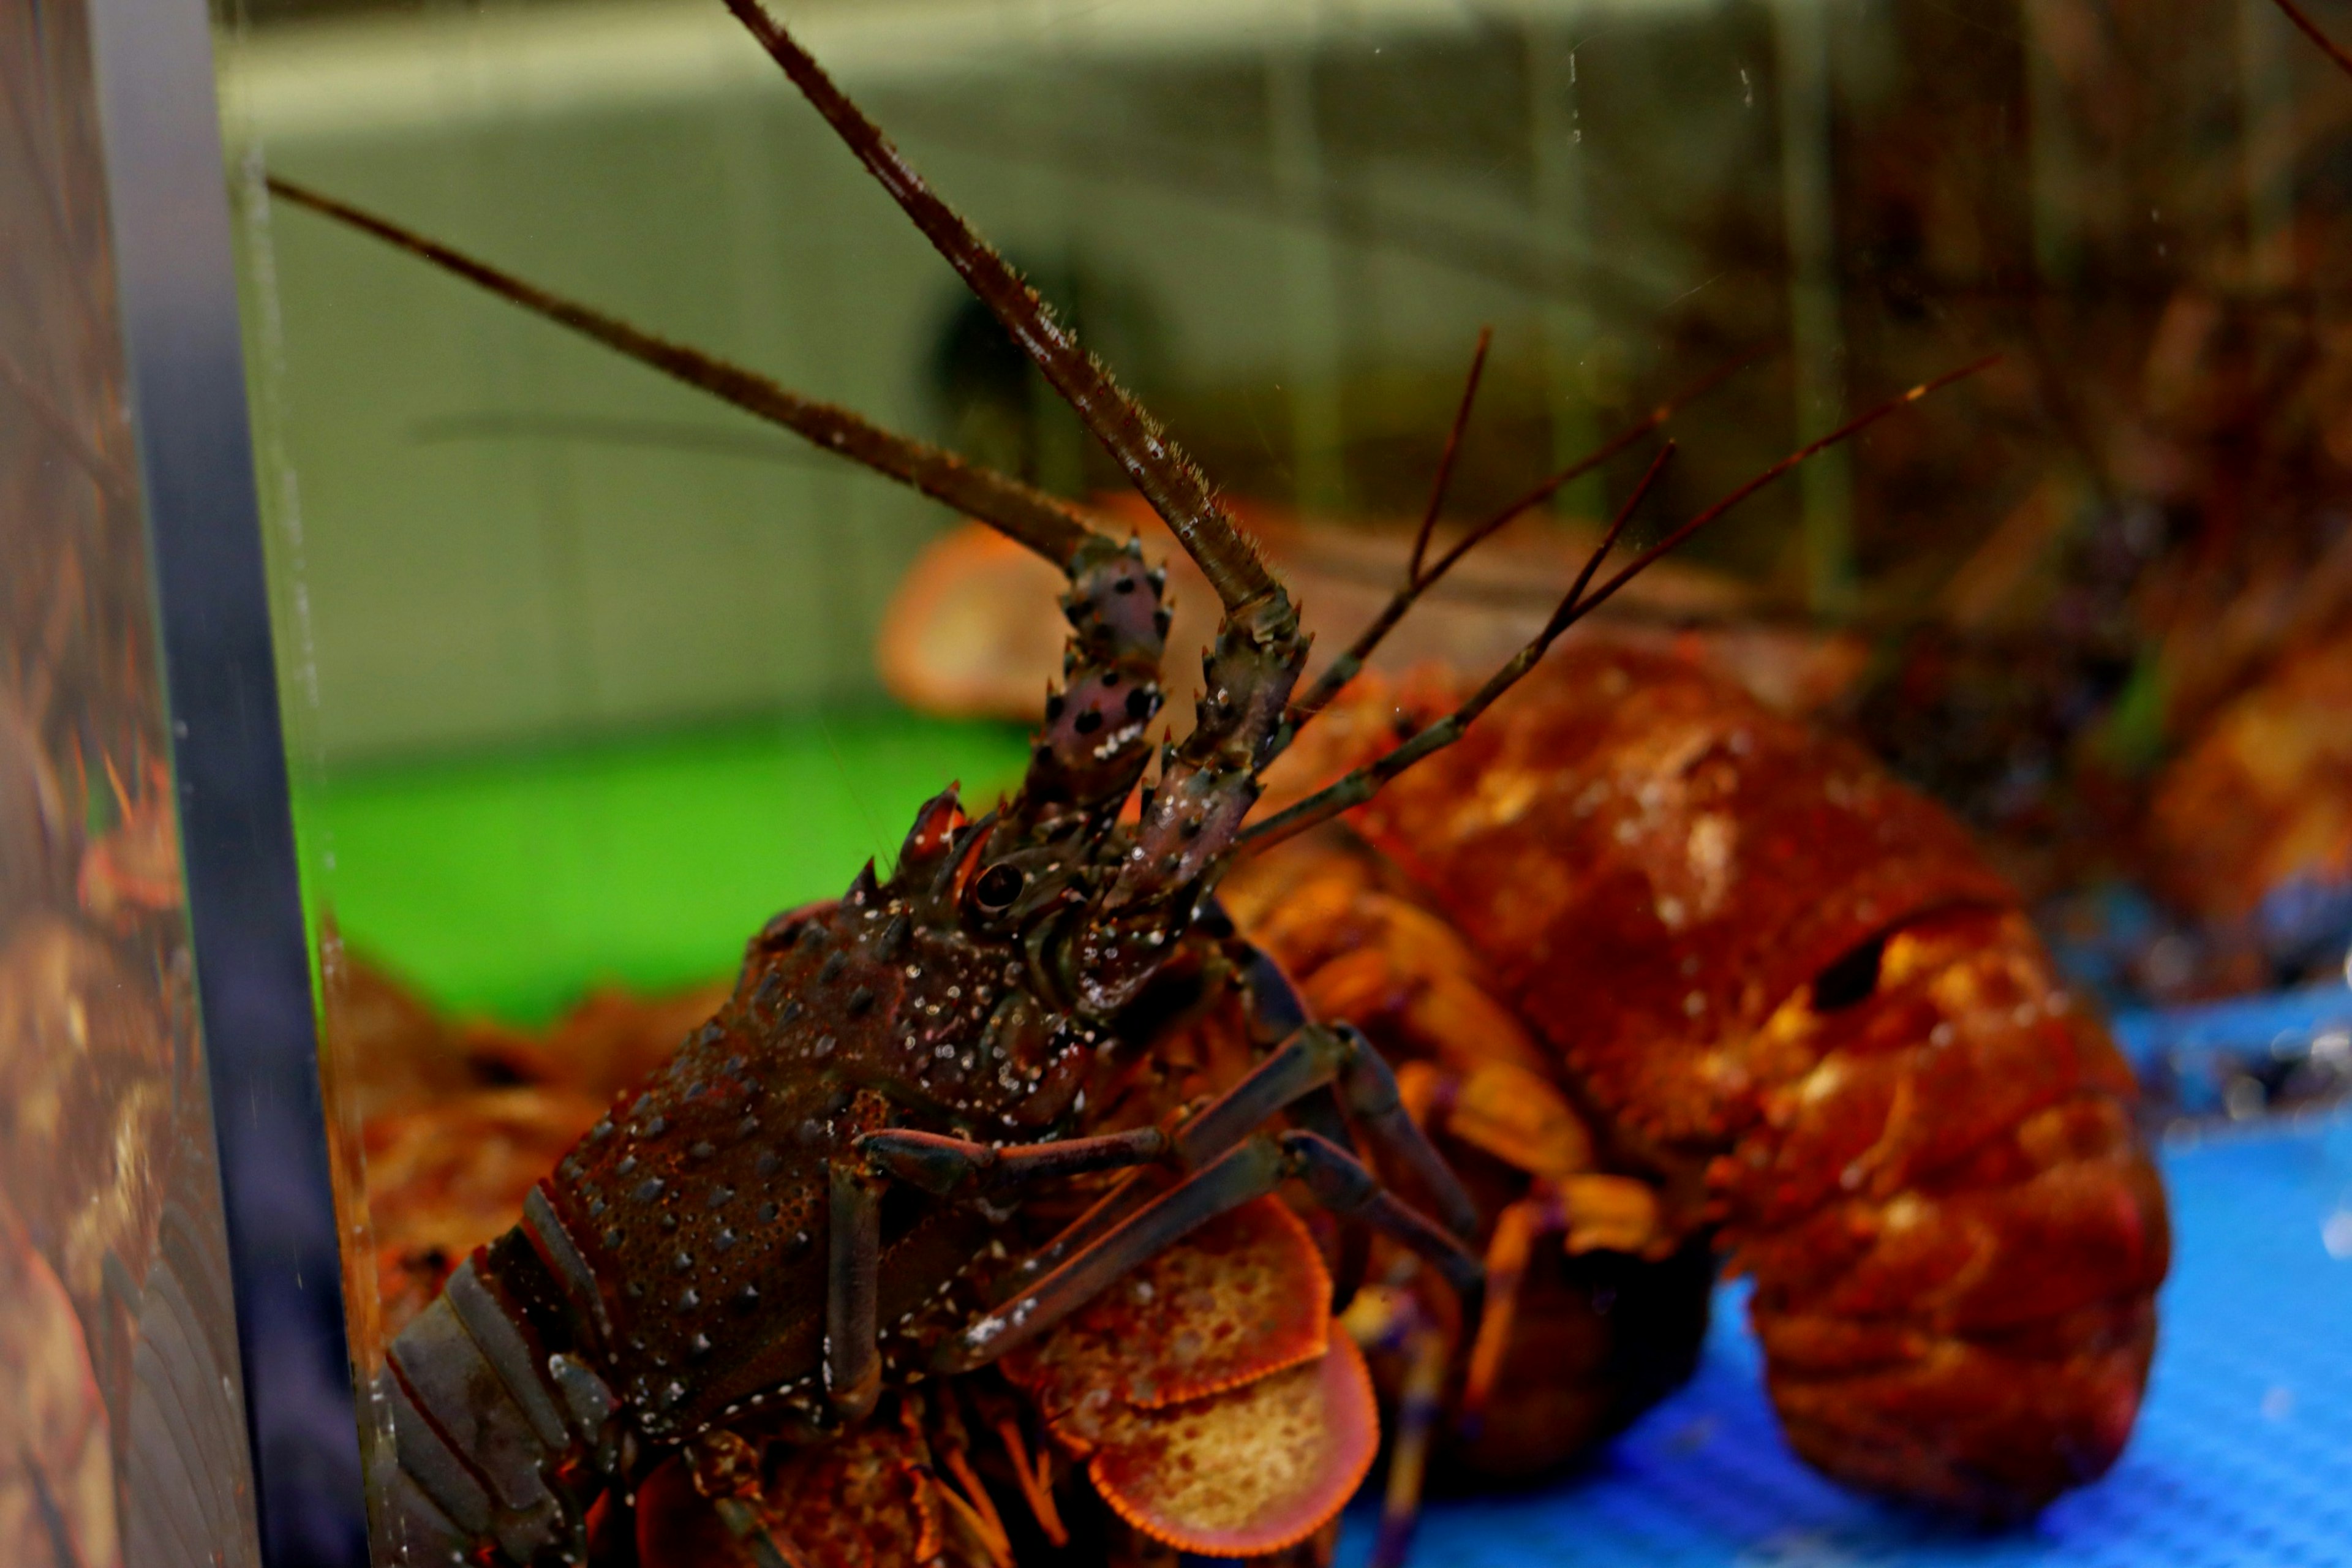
(1792, 993)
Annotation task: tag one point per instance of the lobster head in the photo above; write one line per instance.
(1094, 905)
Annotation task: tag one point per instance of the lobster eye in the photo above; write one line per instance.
(997, 887)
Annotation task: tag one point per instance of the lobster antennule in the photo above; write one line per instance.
(1051, 528)
(1351, 663)
(1364, 783)
(2311, 29)
(1444, 479)
(1154, 462)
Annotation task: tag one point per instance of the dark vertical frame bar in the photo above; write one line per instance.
(168, 207)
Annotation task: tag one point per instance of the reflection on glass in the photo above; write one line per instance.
(125, 1440)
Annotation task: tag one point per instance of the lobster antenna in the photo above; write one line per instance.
(1154, 462)
(1362, 785)
(1453, 449)
(1051, 528)
(1351, 663)
(2328, 45)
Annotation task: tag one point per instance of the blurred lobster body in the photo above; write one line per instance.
(1788, 994)
(1602, 1328)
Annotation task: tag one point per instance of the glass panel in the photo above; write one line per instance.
(119, 1375)
(589, 676)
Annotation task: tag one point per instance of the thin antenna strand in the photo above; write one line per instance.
(1350, 663)
(1453, 449)
(1852, 427)
(2328, 45)
(1362, 785)
(1030, 517)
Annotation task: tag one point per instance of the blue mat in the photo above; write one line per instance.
(2243, 1457)
(2285, 1020)
(2225, 1059)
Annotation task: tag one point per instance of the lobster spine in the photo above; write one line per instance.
(497, 1442)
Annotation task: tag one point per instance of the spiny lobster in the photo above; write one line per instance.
(806, 1214)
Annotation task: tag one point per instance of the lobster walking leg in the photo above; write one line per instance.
(1592, 1213)
(725, 1471)
(1338, 1180)
(936, 1163)
(853, 1363)
(1343, 1059)
(1399, 1319)
(1313, 1060)
(942, 1165)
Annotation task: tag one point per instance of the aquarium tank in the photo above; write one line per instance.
(1816, 1071)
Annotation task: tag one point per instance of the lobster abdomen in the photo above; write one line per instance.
(1794, 989)
(1955, 1234)
(500, 1444)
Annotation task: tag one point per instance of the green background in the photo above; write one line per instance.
(507, 884)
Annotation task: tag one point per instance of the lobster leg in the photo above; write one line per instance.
(1273, 1011)
(942, 1165)
(767, 1549)
(938, 1164)
(1256, 1167)
(725, 1471)
(1592, 1213)
(853, 1362)
(1344, 1186)
(1316, 1058)
(1397, 1318)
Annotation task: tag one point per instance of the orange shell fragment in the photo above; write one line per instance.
(1255, 1470)
(1244, 1296)
(861, 1499)
(1215, 1406)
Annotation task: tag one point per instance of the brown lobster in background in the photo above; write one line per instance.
(1732, 982)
